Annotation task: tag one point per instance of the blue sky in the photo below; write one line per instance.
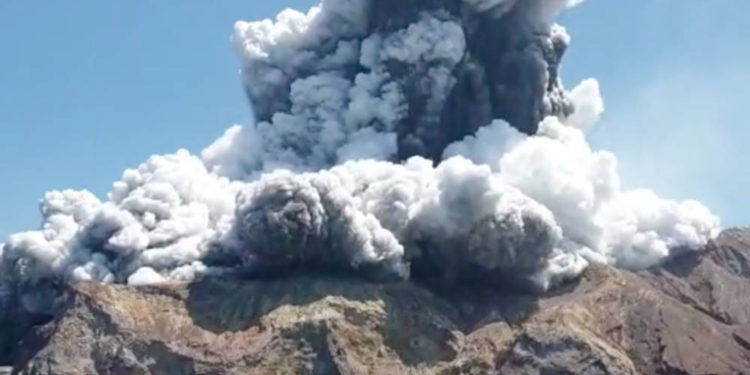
(89, 88)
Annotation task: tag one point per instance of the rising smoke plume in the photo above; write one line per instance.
(394, 139)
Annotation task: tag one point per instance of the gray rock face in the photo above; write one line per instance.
(688, 317)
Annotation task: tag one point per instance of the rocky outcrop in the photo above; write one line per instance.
(716, 282)
(688, 317)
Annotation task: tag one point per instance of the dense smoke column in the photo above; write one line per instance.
(509, 71)
(521, 57)
(492, 59)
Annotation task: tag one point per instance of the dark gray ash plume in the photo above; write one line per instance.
(432, 71)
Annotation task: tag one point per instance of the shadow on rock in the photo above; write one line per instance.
(420, 325)
(21, 328)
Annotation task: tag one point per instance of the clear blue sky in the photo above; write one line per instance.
(89, 88)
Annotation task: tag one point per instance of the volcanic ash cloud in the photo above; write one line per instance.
(394, 139)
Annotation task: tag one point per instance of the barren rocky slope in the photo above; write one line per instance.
(691, 316)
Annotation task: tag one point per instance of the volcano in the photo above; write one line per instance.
(417, 195)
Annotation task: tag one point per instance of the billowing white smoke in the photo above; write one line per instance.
(155, 226)
(382, 149)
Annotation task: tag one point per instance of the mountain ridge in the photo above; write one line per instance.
(688, 316)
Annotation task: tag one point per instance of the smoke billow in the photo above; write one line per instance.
(394, 139)
(391, 79)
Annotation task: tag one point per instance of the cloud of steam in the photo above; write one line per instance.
(395, 139)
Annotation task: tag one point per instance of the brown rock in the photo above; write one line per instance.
(716, 281)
